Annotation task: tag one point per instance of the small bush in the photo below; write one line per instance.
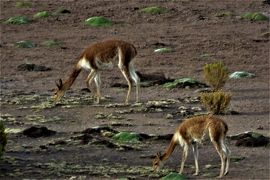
(3, 139)
(216, 75)
(216, 102)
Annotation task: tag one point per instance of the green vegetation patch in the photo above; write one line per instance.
(126, 137)
(163, 50)
(174, 176)
(50, 43)
(42, 14)
(22, 4)
(241, 74)
(25, 44)
(98, 21)
(183, 82)
(255, 16)
(154, 10)
(18, 20)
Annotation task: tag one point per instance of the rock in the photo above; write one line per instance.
(241, 74)
(250, 139)
(32, 67)
(36, 132)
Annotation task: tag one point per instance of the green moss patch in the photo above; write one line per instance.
(25, 44)
(255, 16)
(126, 137)
(154, 10)
(174, 176)
(18, 20)
(42, 14)
(98, 21)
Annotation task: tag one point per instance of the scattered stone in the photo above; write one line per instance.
(32, 67)
(36, 132)
(169, 116)
(241, 74)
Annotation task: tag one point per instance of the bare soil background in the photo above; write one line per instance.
(196, 35)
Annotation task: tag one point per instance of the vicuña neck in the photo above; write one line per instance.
(68, 83)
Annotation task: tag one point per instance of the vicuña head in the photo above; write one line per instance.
(58, 92)
(191, 132)
(157, 162)
(99, 56)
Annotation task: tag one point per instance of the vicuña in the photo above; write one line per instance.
(191, 132)
(99, 56)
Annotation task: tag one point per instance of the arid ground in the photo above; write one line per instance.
(197, 31)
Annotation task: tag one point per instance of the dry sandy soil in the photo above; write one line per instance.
(196, 35)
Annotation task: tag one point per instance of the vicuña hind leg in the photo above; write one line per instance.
(195, 153)
(98, 83)
(222, 158)
(136, 80)
(90, 79)
(184, 157)
(126, 74)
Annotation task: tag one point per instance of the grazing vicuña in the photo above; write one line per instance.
(99, 56)
(192, 131)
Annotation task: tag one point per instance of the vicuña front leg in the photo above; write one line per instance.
(98, 83)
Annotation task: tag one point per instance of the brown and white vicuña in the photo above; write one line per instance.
(102, 56)
(191, 132)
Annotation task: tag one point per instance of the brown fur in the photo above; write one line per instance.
(193, 130)
(103, 53)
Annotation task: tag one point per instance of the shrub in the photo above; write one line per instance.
(216, 75)
(216, 102)
(3, 139)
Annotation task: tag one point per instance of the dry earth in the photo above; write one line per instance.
(195, 34)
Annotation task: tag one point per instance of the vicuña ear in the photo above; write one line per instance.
(158, 154)
(59, 83)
